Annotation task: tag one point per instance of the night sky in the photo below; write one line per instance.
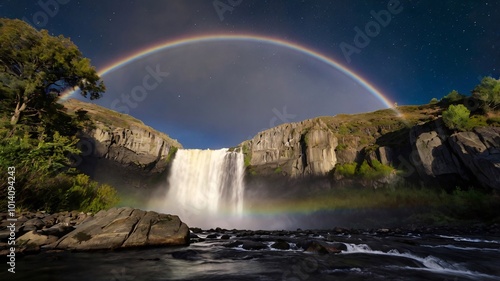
(220, 93)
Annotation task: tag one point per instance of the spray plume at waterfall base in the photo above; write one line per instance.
(205, 186)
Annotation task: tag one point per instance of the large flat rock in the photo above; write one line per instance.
(126, 228)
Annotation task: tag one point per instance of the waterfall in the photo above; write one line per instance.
(206, 182)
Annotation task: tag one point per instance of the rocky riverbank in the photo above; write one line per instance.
(323, 241)
(116, 228)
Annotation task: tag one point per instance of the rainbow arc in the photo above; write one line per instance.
(250, 38)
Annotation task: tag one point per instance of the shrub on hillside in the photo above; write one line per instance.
(488, 94)
(374, 171)
(456, 117)
(453, 97)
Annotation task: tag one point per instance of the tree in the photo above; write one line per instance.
(488, 93)
(434, 101)
(453, 96)
(36, 67)
(456, 117)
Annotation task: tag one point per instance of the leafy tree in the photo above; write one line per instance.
(36, 67)
(453, 96)
(488, 93)
(434, 101)
(456, 117)
(36, 135)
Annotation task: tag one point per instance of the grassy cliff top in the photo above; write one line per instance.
(106, 118)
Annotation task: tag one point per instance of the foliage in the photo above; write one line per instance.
(374, 171)
(453, 97)
(45, 179)
(456, 117)
(377, 170)
(36, 67)
(36, 135)
(434, 101)
(88, 196)
(476, 121)
(171, 154)
(346, 170)
(341, 147)
(488, 94)
(247, 154)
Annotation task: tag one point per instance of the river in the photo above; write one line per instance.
(365, 255)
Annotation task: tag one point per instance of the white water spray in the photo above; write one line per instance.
(206, 182)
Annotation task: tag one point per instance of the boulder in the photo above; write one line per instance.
(321, 248)
(58, 230)
(281, 245)
(32, 241)
(225, 237)
(432, 156)
(33, 224)
(252, 245)
(479, 151)
(126, 228)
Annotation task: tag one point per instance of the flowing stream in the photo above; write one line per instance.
(211, 256)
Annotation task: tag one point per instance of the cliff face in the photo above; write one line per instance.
(417, 144)
(464, 157)
(119, 149)
(295, 149)
(134, 146)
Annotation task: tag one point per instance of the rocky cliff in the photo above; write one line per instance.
(450, 158)
(413, 141)
(295, 149)
(117, 148)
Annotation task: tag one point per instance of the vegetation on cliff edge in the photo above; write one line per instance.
(37, 137)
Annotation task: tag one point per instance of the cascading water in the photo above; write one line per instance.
(206, 182)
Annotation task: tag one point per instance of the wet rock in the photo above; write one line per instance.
(280, 245)
(233, 244)
(212, 236)
(225, 237)
(196, 230)
(321, 248)
(252, 245)
(383, 230)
